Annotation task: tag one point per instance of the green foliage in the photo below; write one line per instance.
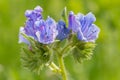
(105, 63)
(83, 51)
(60, 47)
(34, 56)
(34, 60)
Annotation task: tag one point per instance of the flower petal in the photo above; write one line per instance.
(73, 22)
(81, 36)
(30, 28)
(92, 33)
(87, 21)
(63, 31)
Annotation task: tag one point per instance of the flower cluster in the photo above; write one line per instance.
(43, 31)
(46, 31)
(75, 34)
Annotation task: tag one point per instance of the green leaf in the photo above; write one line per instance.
(65, 16)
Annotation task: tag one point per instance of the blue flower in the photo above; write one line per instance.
(63, 31)
(42, 31)
(83, 26)
(46, 31)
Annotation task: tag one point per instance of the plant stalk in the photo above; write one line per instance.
(62, 67)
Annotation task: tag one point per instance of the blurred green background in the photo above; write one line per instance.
(105, 63)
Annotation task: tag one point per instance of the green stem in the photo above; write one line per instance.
(67, 46)
(62, 67)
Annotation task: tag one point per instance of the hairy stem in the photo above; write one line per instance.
(62, 67)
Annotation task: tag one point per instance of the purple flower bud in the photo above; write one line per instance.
(28, 13)
(83, 26)
(38, 9)
(34, 14)
(63, 31)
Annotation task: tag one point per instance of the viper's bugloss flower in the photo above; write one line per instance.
(42, 31)
(40, 36)
(63, 31)
(83, 26)
(46, 31)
